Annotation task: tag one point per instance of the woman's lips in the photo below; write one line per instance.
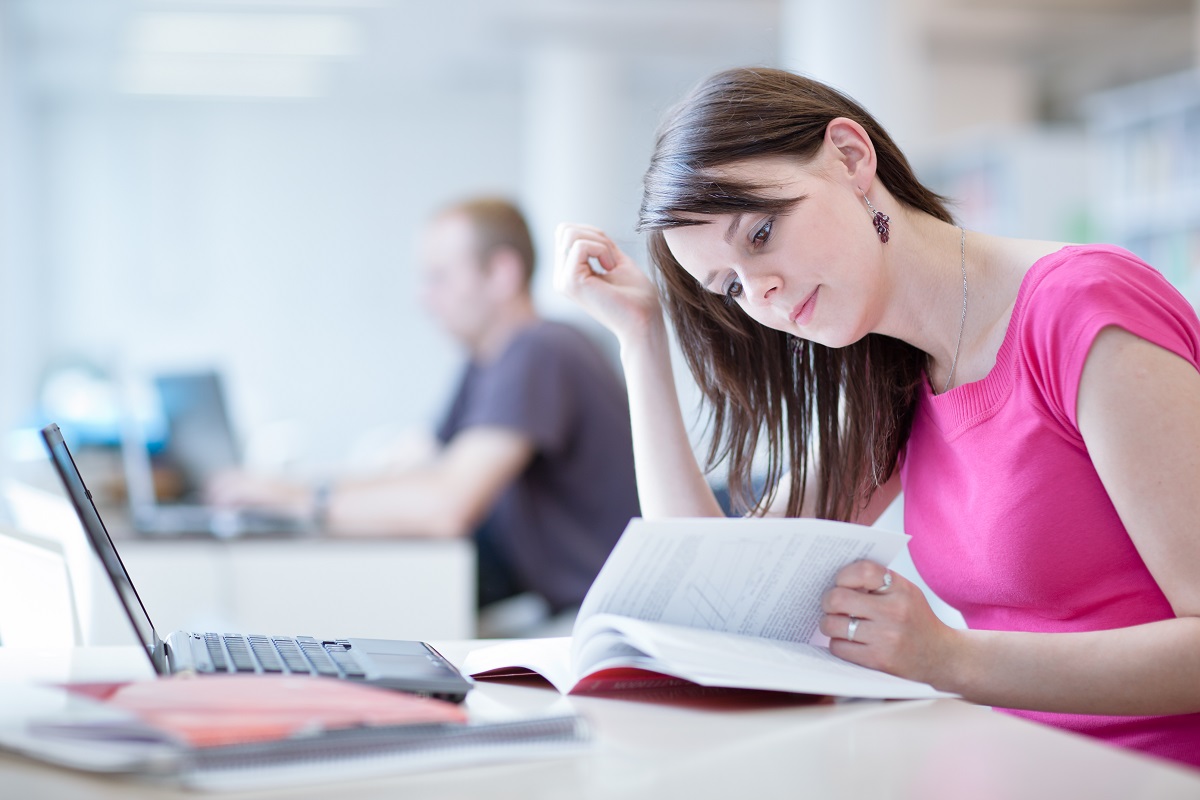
(803, 313)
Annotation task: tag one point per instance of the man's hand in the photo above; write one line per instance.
(239, 489)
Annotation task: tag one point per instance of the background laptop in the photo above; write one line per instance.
(199, 444)
(394, 664)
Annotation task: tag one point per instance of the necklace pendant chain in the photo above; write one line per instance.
(962, 249)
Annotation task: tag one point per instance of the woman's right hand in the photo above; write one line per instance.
(620, 297)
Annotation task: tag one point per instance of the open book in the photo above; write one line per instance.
(716, 602)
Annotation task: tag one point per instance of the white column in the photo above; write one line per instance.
(22, 327)
(868, 49)
(572, 151)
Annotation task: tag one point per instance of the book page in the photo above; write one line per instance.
(550, 658)
(752, 577)
(712, 658)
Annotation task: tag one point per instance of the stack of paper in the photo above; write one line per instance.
(239, 732)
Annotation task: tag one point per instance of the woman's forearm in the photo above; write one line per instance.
(1145, 669)
(670, 481)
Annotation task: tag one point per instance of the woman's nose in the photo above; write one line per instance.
(759, 289)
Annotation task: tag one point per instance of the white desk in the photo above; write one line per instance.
(926, 750)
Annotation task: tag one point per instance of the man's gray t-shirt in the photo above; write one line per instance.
(557, 523)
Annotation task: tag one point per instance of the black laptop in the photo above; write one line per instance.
(389, 663)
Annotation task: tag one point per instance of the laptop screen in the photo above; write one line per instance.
(200, 441)
(97, 534)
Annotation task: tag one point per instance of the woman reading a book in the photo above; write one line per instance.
(1039, 404)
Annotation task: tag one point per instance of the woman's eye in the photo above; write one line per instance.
(762, 234)
(733, 290)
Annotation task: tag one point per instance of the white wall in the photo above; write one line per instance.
(274, 239)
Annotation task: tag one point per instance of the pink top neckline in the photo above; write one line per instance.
(971, 402)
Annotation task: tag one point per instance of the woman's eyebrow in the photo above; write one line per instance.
(734, 224)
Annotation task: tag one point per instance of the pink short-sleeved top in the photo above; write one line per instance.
(1010, 523)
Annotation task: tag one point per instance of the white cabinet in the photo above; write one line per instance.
(313, 586)
(399, 588)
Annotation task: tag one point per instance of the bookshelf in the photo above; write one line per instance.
(1146, 141)
(1027, 182)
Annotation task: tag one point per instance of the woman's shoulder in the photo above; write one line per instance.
(1077, 277)
(1079, 288)
(1076, 267)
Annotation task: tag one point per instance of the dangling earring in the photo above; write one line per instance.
(795, 344)
(880, 220)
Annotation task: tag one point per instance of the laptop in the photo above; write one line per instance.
(409, 666)
(199, 444)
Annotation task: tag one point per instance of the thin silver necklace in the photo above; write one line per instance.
(962, 250)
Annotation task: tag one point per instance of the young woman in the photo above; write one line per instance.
(1039, 404)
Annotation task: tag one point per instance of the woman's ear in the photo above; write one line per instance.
(850, 148)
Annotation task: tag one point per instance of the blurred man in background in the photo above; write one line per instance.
(535, 458)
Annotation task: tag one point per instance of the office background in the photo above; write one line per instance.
(240, 183)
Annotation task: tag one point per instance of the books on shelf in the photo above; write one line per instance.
(731, 603)
(260, 731)
(1146, 193)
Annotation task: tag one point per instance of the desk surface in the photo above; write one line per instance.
(924, 750)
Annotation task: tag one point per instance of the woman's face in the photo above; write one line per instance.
(812, 271)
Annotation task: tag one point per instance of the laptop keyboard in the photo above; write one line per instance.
(232, 652)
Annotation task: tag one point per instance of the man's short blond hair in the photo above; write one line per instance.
(497, 223)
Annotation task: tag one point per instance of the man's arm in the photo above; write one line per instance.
(447, 496)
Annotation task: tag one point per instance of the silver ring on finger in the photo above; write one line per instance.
(851, 629)
(887, 583)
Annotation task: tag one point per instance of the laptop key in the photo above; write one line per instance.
(213, 643)
(292, 657)
(320, 659)
(239, 653)
(264, 651)
(349, 665)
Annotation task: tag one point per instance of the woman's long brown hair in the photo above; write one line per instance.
(850, 407)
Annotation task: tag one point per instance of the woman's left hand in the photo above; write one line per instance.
(880, 620)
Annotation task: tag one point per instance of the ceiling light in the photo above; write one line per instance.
(327, 35)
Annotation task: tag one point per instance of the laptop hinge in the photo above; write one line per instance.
(177, 653)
